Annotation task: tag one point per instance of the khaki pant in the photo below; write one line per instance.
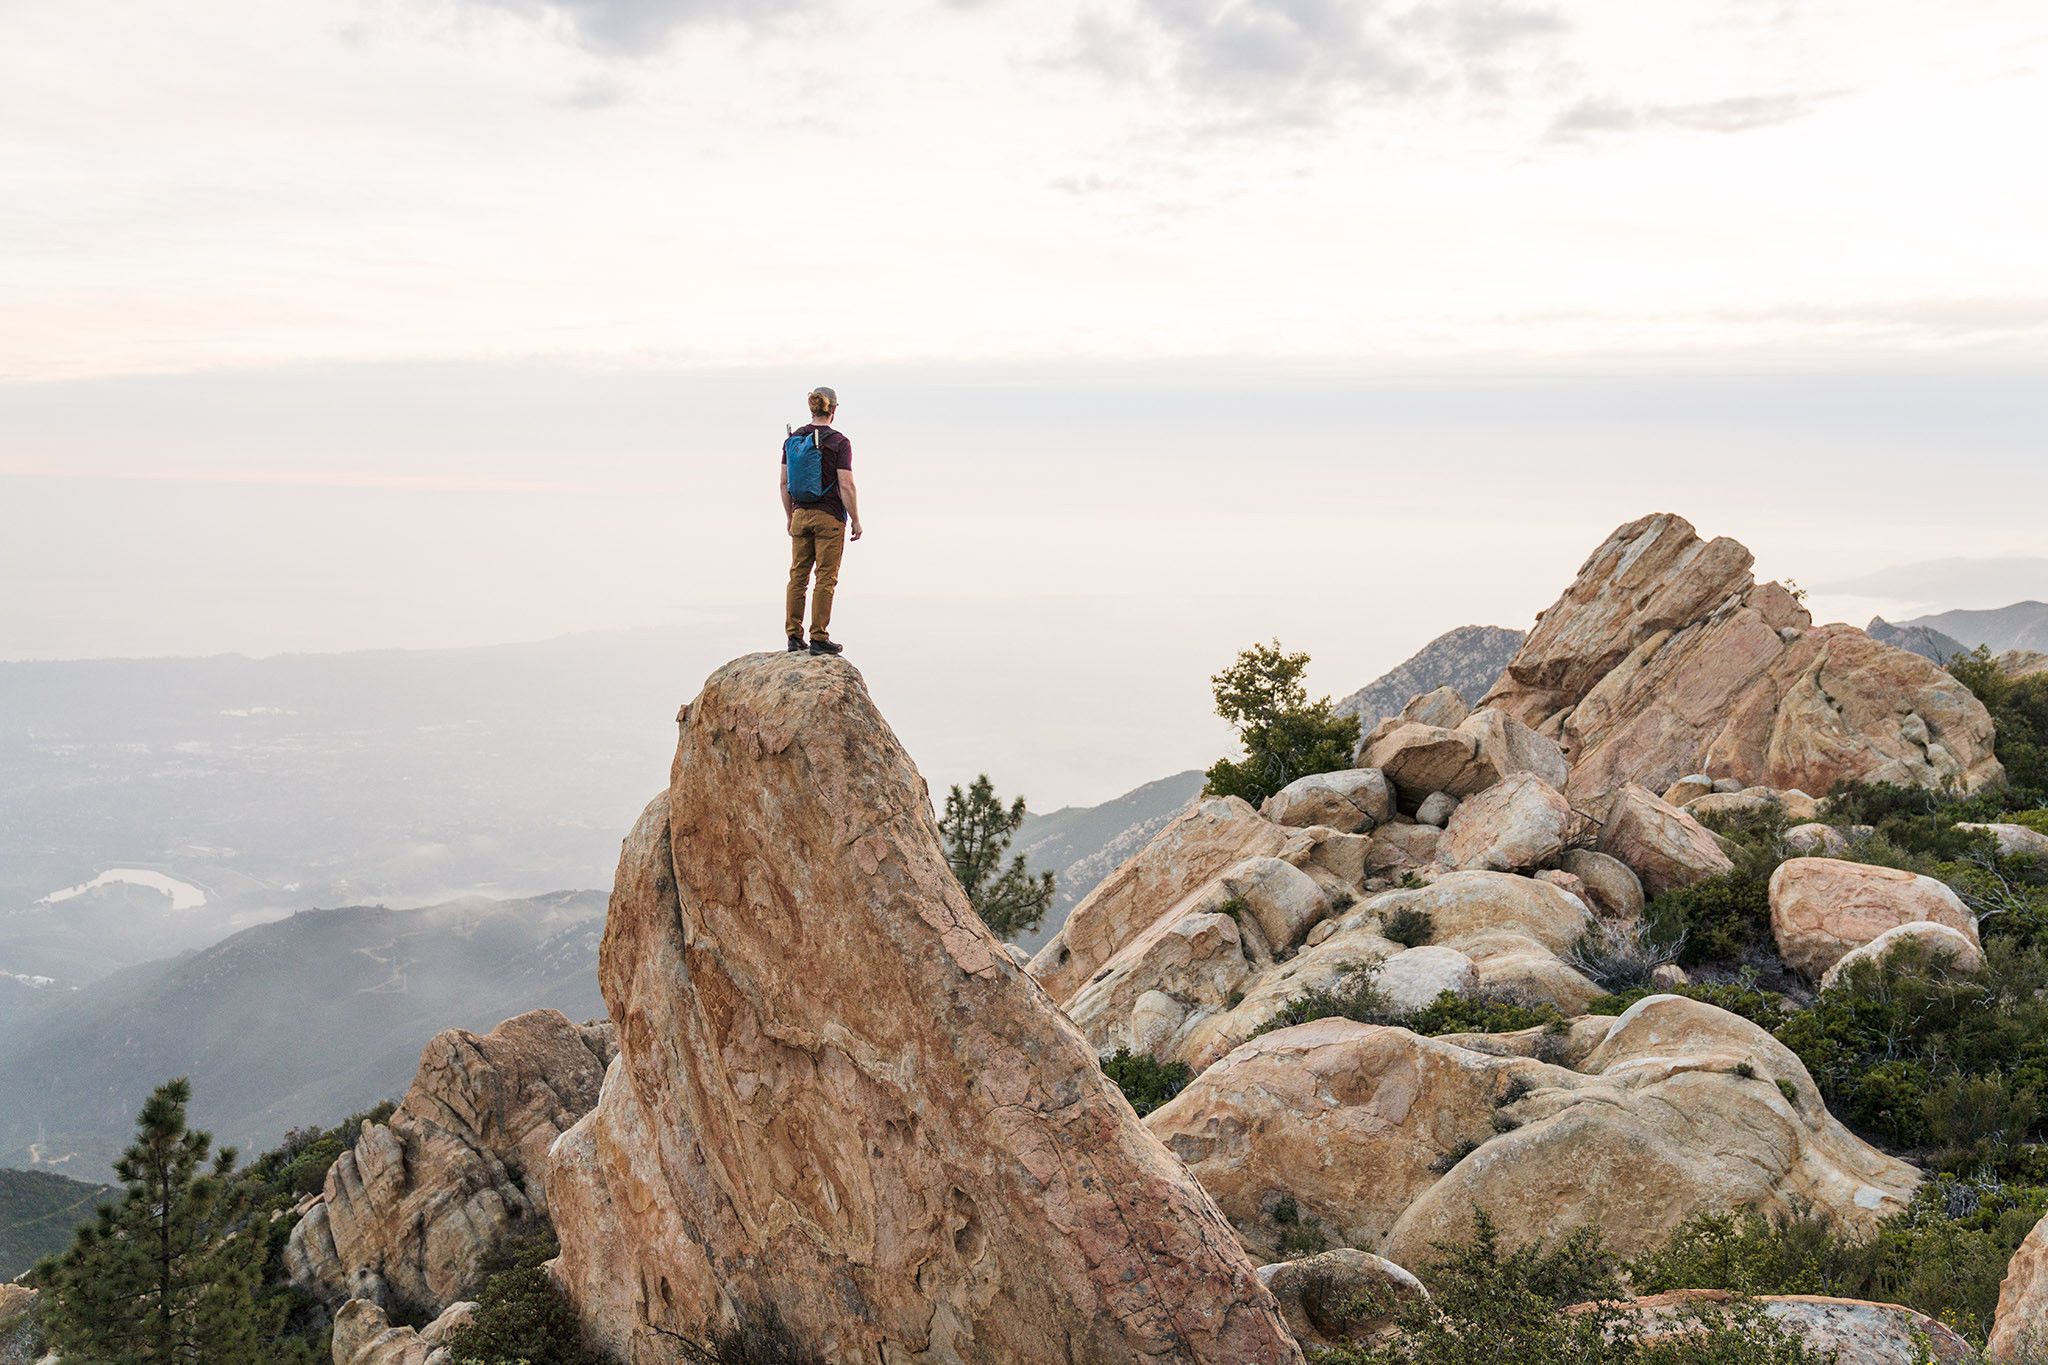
(815, 538)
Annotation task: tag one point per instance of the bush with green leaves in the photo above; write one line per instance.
(1285, 735)
(1409, 926)
(1357, 996)
(2019, 711)
(1944, 1255)
(1146, 1081)
(522, 1315)
(1924, 1058)
(978, 828)
(1557, 1305)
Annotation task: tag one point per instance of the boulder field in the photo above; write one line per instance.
(839, 1103)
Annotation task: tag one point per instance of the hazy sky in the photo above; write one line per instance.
(1170, 323)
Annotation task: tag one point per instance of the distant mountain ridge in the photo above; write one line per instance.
(1080, 845)
(1925, 641)
(1470, 659)
(38, 1213)
(304, 1020)
(2023, 625)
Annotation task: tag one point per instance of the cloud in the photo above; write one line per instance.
(630, 28)
(1592, 117)
(1300, 60)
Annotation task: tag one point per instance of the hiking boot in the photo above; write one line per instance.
(826, 647)
(796, 644)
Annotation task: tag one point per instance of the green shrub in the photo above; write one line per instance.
(1495, 1308)
(1945, 1255)
(2036, 820)
(1146, 1082)
(1922, 1058)
(1410, 927)
(1357, 996)
(2019, 711)
(760, 1340)
(522, 1316)
(1299, 1235)
(1723, 921)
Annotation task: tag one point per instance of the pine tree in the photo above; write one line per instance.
(1285, 735)
(978, 828)
(166, 1275)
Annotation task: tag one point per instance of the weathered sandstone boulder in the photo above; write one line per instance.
(1847, 1331)
(1666, 658)
(1822, 908)
(1734, 805)
(1446, 706)
(1390, 1140)
(2019, 1333)
(2013, 839)
(1436, 809)
(1518, 823)
(1335, 1297)
(837, 1100)
(1689, 788)
(410, 1216)
(1403, 848)
(1351, 800)
(1664, 846)
(363, 1335)
(1284, 900)
(1422, 759)
(1181, 861)
(1937, 941)
(1816, 838)
(1616, 892)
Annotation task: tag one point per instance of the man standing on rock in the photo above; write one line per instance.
(819, 504)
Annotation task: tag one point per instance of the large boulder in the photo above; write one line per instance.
(1421, 759)
(363, 1335)
(1844, 1331)
(837, 1099)
(413, 1213)
(1821, 908)
(2012, 839)
(1285, 901)
(1179, 862)
(1665, 658)
(1615, 890)
(1518, 823)
(2019, 1333)
(1351, 800)
(1936, 941)
(1390, 1141)
(1665, 847)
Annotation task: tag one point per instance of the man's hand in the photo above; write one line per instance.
(854, 530)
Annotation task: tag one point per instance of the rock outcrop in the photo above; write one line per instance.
(1515, 825)
(411, 1214)
(2012, 840)
(1390, 1141)
(1350, 800)
(1180, 861)
(1666, 658)
(363, 1335)
(1936, 941)
(2019, 1332)
(1421, 758)
(1822, 908)
(839, 1101)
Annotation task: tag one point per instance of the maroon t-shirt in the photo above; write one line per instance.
(838, 453)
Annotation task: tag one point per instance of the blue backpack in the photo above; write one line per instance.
(806, 462)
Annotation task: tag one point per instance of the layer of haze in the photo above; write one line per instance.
(1162, 327)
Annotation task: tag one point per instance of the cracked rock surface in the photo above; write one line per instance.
(1665, 658)
(839, 1101)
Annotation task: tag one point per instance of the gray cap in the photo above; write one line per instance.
(828, 395)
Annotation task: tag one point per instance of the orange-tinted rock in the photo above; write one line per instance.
(412, 1213)
(1664, 658)
(839, 1100)
(1822, 908)
(2019, 1333)
(1661, 844)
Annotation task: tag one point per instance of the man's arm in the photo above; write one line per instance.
(788, 507)
(847, 495)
